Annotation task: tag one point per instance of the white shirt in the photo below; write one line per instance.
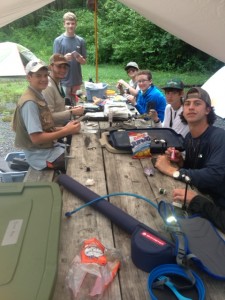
(172, 120)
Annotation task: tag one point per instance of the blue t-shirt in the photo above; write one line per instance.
(151, 99)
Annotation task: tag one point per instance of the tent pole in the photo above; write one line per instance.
(96, 43)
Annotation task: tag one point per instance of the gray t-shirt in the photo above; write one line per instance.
(64, 44)
(37, 158)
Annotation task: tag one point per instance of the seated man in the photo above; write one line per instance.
(132, 86)
(174, 92)
(53, 94)
(35, 130)
(149, 97)
(204, 161)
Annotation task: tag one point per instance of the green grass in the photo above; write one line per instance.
(112, 73)
(11, 89)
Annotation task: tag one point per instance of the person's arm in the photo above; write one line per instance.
(208, 210)
(160, 105)
(81, 59)
(72, 127)
(53, 97)
(131, 90)
(212, 174)
(30, 115)
(201, 205)
(56, 46)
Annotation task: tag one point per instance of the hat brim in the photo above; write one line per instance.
(38, 67)
(60, 63)
(126, 68)
(172, 88)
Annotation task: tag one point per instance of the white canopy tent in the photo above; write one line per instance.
(215, 86)
(12, 10)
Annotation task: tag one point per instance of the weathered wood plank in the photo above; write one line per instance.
(35, 175)
(86, 223)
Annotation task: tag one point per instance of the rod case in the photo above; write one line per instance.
(148, 247)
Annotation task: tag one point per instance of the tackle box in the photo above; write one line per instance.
(30, 215)
(161, 139)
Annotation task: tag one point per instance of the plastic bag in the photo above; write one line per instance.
(140, 143)
(93, 269)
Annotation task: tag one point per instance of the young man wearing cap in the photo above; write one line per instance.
(35, 130)
(54, 95)
(204, 163)
(132, 86)
(149, 96)
(73, 48)
(174, 92)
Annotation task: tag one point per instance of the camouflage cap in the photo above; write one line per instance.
(175, 84)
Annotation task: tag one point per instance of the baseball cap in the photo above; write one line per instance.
(131, 64)
(174, 84)
(58, 59)
(35, 65)
(198, 93)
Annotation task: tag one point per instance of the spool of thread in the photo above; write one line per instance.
(162, 191)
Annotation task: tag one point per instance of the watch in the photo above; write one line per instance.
(176, 175)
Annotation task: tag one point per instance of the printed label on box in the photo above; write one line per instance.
(12, 232)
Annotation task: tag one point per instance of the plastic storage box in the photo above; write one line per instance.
(11, 175)
(98, 92)
(30, 215)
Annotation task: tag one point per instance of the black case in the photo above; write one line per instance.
(119, 139)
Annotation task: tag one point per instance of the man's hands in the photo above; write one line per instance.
(179, 194)
(163, 165)
(71, 127)
(77, 110)
(79, 58)
(163, 162)
(153, 115)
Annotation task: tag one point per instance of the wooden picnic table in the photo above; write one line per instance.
(113, 173)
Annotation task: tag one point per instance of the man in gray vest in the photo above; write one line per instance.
(35, 130)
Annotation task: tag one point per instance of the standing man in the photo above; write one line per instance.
(174, 92)
(73, 48)
(148, 97)
(204, 162)
(32, 121)
(53, 94)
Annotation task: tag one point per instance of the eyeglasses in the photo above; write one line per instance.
(142, 81)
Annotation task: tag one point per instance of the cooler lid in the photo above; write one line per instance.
(30, 216)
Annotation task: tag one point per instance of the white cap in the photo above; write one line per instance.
(131, 64)
(35, 65)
